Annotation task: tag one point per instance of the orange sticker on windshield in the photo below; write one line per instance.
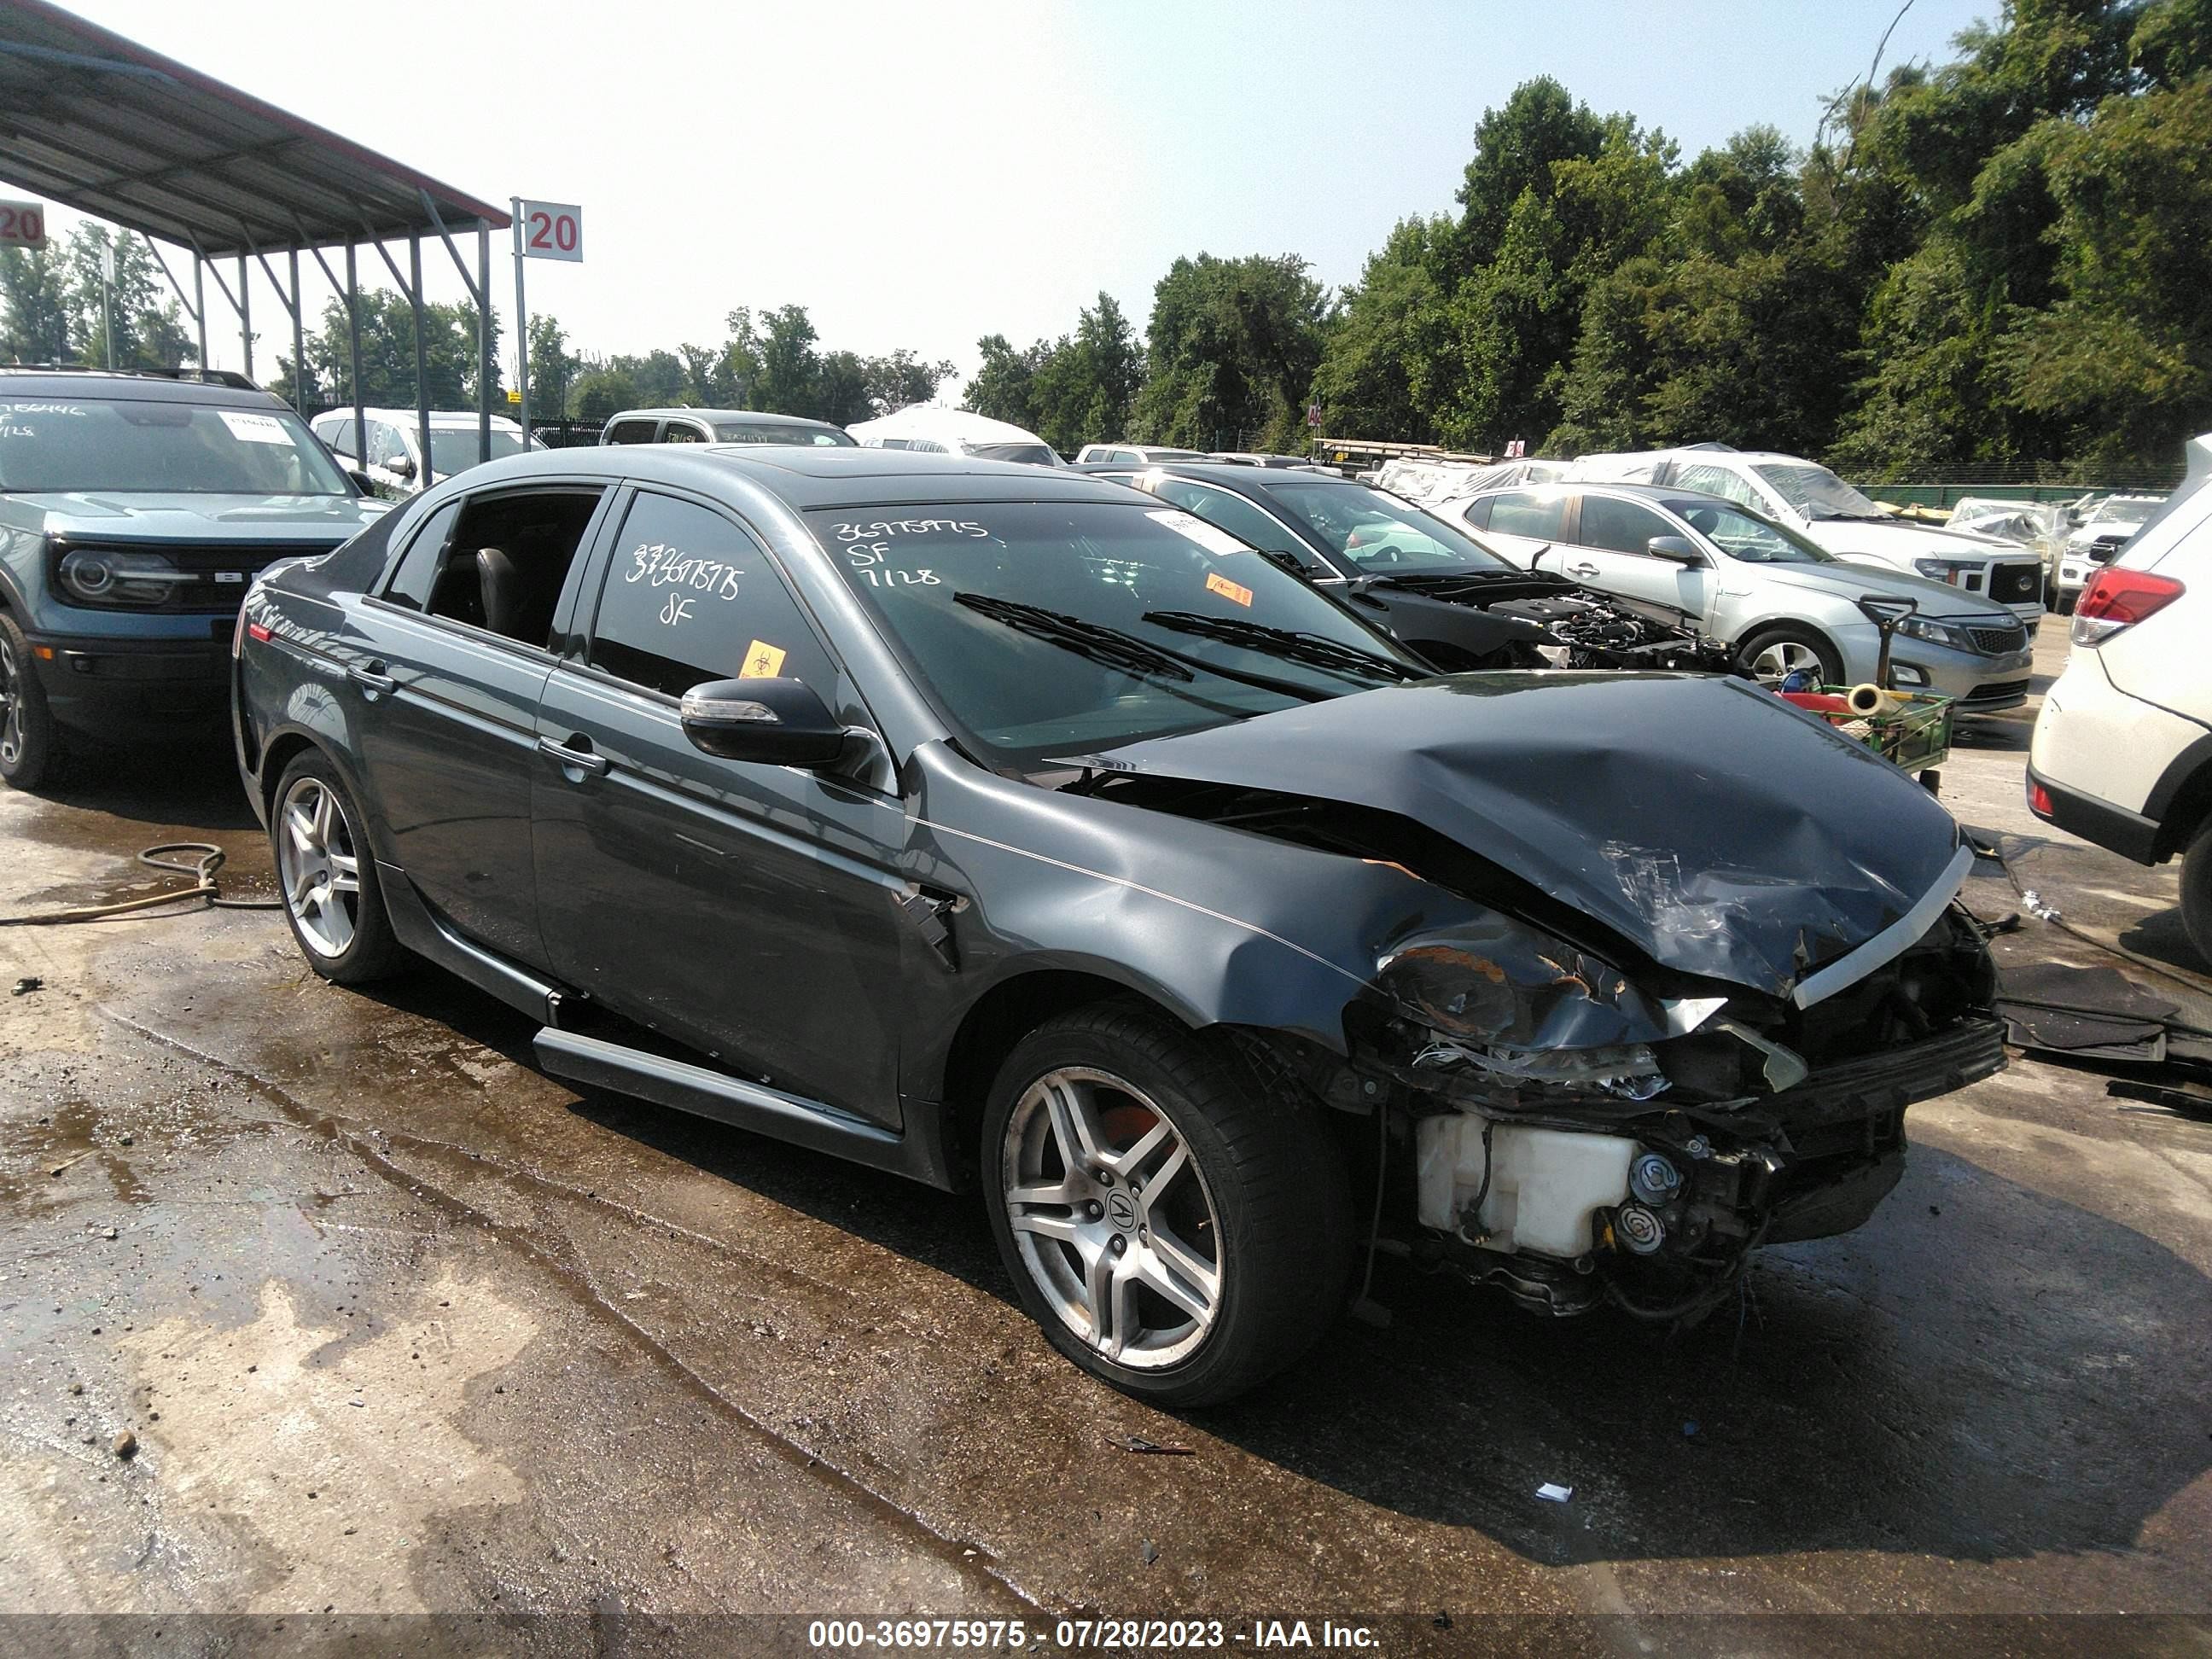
(764, 661)
(1237, 591)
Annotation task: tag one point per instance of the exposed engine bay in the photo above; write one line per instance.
(1569, 1118)
(1577, 627)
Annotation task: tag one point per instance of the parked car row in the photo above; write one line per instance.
(1102, 839)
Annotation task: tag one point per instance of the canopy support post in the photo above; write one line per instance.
(483, 345)
(245, 317)
(353, 357)
(422, 360)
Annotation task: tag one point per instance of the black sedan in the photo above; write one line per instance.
(1004, 827)
(1460, 604)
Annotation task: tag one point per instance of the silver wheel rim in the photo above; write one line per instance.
(317, 865)
(1112, 1217)
(1785, 658)
(11, 709)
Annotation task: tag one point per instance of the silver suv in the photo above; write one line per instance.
(1779, 602)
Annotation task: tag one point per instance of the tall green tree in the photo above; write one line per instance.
(35, 307)
(1230, 353)
(1004, 387)
(388, 356)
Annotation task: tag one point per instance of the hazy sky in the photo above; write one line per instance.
(920, 175)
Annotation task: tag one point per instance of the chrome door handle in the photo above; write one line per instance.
(575, 760)
(372, 679)
(1582, 570)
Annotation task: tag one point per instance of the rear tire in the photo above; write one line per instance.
(1177, 1232)
(30, 742)
(327, 876)
(1771, 653)
(2197, 893)
(2066, 602)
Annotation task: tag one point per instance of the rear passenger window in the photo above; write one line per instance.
(409, 587)
(1526, 513)
(682, 432)
(630, 432)
(690, 597)
(507, 559)
(1619, 526)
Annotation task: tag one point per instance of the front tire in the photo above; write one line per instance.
(30, 743)
(328, 876)
(1176, 1233)
(1772, 653)
(2197, 893)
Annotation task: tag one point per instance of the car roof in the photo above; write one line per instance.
(1228, 474)
(810, 477)
(1666, 496)
(70, 385)
(408, 417)
(761, 416)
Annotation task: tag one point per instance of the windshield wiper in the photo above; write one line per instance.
(1315, 650)
(1118, 650)
(1092, 640)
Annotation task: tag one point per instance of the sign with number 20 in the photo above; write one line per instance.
(552, 230)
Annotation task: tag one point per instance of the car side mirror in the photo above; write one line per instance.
(401, 466)
(772, 722)
(1675, 549)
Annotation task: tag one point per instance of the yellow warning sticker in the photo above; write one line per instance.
(764, 661)
(1234, 591)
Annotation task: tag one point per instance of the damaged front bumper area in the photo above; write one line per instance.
(1577, 1141)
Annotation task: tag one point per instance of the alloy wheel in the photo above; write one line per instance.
(318, 867)
(1785, 658)
(1111, 1218)
(11, 708)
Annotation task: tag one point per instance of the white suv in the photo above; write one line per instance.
(2122, 751)
(393, 458)
(2102, 534)
(1805, 497)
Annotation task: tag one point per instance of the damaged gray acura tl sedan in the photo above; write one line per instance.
(1008, 828)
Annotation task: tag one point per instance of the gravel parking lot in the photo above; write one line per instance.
(400, 1326)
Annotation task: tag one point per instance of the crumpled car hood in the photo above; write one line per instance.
(1713, 826)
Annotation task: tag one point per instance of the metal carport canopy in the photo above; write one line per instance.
(98, 122)
(101, 123)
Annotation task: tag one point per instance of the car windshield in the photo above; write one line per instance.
(1381, 534)
(750, 432)
(2123, 509)
(1031, 454)
(453, 448)
(1742, 535)
(1049, 631)
(129, 446)
(1816, 492)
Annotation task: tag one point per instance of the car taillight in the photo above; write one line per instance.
(2038, 799)
(2119, 598)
